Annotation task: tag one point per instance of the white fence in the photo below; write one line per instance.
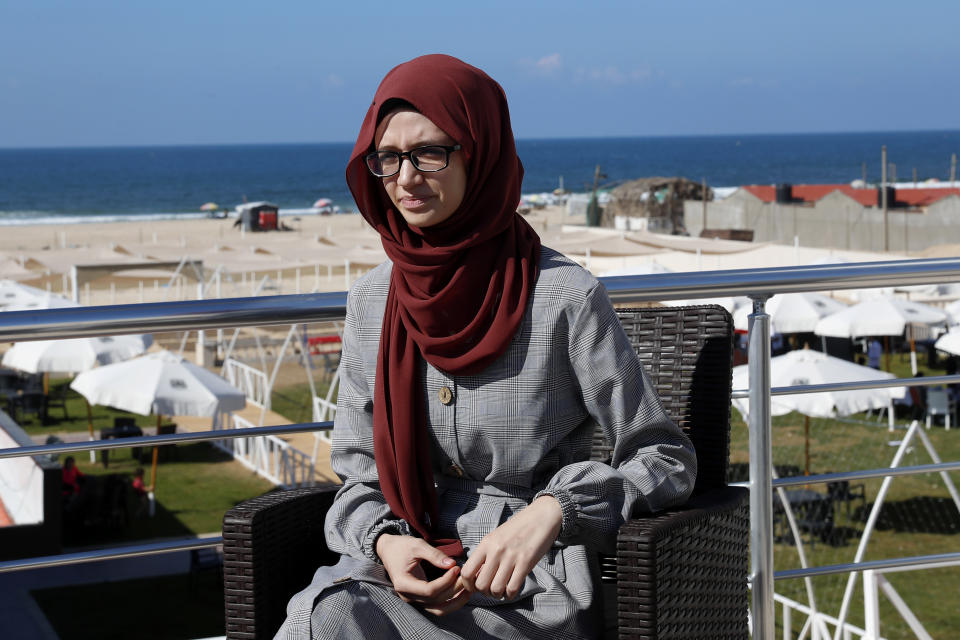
(270, 457)
(252, 382)
(817, 624)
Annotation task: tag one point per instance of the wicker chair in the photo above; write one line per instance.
(677, 574)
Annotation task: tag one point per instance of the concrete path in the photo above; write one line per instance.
(305, 442)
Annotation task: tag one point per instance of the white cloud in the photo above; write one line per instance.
(549, 64)
(546, 66)
(333, 80)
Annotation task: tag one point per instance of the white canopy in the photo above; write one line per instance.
(879, 317)
(792, 312)
(949, 342)
(160, 383)
(804, 367)
(74, 355)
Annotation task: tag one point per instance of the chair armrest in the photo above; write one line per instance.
(683, 573)
(272, 545)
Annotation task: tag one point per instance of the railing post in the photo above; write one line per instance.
(761, 463)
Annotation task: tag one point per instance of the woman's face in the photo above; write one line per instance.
(424, 199)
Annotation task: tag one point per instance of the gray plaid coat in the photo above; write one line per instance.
(521, 428)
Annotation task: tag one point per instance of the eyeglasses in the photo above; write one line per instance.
(434, 157)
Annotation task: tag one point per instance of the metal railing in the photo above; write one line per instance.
(759, 284)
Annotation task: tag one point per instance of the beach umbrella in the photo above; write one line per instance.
(949, 342)
(18, 297)
(210, 206)
(160, 383)
(75, 354)
(792, 312)
(806, 367)
(886, 316)
(322, 203)
(953, 311)
(46, 301)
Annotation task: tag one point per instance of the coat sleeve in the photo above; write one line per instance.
(359, 512)
(653, 465)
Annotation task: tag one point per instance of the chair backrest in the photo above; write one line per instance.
(938, 403)
(688, 353)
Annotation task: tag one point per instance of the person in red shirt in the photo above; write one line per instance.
(138, 487)
(141, 491)
(72, 477)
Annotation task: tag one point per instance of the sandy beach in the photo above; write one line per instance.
(321, 253)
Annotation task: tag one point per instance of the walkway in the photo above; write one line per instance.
(302, 441)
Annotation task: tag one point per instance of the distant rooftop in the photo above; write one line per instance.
(868, 197)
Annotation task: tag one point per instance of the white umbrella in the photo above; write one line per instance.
(159, 383)
(16, 295)
(74, 355)
(806, 367)
(953, 310)
(46, 301)
(879, 317)
(949, 342)
(792, 312)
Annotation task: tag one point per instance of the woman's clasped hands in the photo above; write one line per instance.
(497, 567)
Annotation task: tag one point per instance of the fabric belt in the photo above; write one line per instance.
(479, 487)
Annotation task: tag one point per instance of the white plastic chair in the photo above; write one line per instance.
(939, 403)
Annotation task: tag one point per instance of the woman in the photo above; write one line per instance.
(475, 365)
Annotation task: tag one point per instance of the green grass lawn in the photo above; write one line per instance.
(194, 489)
(918, 517)
(166, 608)
(295, 403)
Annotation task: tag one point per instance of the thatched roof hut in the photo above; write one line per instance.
(658, 199)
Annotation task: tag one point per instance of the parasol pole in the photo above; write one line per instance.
(886, 353)
(93, 454)
(913, 351)
(153, 468)
(806, 445)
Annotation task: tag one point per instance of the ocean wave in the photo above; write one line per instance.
(22, 218)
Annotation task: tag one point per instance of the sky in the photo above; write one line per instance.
(131, 72)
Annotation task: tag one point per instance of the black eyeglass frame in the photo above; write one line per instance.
(448, 149)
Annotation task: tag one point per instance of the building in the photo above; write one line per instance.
(836, 216)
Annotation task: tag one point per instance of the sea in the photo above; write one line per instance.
(76, 185)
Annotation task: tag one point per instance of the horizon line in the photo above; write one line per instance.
(530, 139)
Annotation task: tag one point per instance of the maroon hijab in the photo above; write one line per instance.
(459, 289)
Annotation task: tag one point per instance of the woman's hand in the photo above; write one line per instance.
(401, 557)
(503, 559)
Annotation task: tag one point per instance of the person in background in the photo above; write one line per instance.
(72, 477)
(874, 351)
(142, 492)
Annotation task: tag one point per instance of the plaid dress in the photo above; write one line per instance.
(521, 428)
